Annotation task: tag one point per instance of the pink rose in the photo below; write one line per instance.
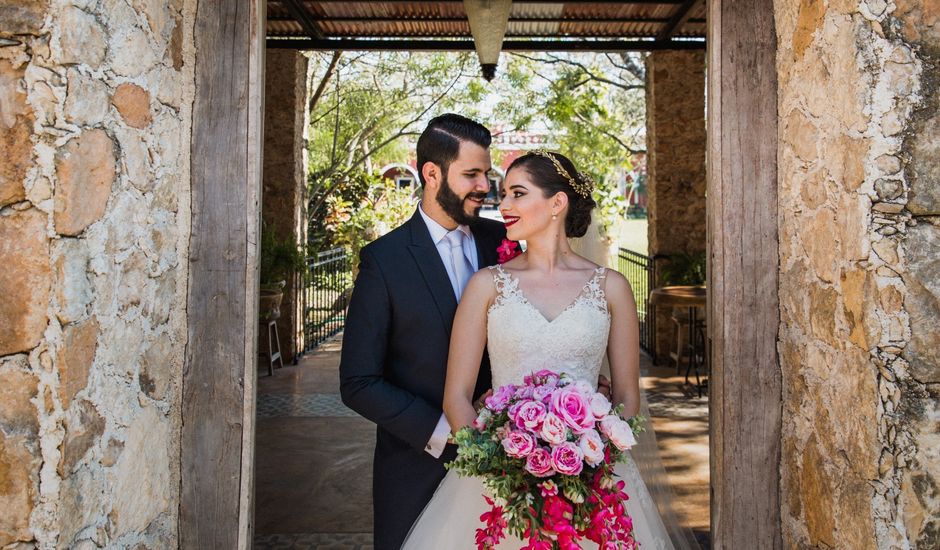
(529, 416)
(539, 463)
(547, 377)
(618, 431)
(542, 393)
(554, 430)
(600, 406)
(567, 459)
(514, 408)
(583, 387)
(592, 447)
(500, 398)
(524, 392)
(573, 408)
(518, 444)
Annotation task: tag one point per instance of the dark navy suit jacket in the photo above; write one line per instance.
(394, 361)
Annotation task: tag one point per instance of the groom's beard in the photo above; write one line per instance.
(453, 205)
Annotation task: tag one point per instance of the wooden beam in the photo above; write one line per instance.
(218, 381)
(678, 20)
(617, 2)
(422, 19)
(745, 402)
(467, 45)
(299, 12)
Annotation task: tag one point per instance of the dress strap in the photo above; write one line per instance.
(505, 284)
(594, 289)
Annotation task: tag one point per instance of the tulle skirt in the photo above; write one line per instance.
(452, 517)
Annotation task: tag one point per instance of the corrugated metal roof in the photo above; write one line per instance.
(358, 19)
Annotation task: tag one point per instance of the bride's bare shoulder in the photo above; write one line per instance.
(482, 286)
(617, 288)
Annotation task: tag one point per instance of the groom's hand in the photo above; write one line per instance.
(603, 386)
(478, 404)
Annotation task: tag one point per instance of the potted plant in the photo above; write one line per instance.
(279, 259)
(683, 269)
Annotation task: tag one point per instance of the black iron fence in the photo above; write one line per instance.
(639, 270)
(324, 294)
(325, 288)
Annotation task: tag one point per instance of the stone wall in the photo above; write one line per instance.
(675, 141)
(283, 176)
(95, 102)
(860, 300)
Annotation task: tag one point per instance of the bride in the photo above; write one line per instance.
(547, 308)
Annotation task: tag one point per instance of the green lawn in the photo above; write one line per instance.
(633, 235)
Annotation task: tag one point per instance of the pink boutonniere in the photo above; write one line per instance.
(508, 250)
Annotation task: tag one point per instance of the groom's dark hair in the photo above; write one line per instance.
(440, 141)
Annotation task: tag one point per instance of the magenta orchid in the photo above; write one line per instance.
(552, 468)
(508, 250)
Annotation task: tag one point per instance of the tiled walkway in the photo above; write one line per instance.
(313, 458)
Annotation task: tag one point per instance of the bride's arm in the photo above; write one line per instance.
(467, 341)
(623, 345)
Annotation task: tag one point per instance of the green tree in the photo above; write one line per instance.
(367, 110)
(594, 105)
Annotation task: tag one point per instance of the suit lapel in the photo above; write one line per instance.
(432, 270)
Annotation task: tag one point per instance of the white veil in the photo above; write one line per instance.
(599, 248)
(646, 456)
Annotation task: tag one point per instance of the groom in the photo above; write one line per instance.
(399, 321)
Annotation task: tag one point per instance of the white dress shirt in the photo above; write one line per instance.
(439, 233)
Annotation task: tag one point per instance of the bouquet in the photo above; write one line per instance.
(545, 451)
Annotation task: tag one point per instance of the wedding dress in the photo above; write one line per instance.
(520, 341)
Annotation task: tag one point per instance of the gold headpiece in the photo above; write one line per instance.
(581, 183)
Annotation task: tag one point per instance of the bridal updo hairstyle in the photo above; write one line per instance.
(550, 180)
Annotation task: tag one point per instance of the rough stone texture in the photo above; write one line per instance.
(19, 425)
(16, 120)
(24, 280)
(143, 476)
(283, 174)
(87, 101)
(155, 377)
(83, 428)
(133, 102)
(675, 139)
(923, 302)
(75, 358)
(86, 170)
(22, 16)
(91, 238)
(81, 38)
(859, 296)
(19, 487)
(73, 289)
(18, 386)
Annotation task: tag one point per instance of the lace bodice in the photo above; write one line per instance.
(521, 340)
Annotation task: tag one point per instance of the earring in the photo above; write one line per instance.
(554, 216)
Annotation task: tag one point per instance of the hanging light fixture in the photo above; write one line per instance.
(488, 20)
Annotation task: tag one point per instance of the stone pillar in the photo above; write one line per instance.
(95, 125)
(284, 179)
(859, 220)
(675, 143)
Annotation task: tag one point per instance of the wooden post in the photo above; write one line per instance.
(743, 316)
(219, 374)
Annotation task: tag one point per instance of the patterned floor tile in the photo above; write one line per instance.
(304, 405)
(314, 541)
